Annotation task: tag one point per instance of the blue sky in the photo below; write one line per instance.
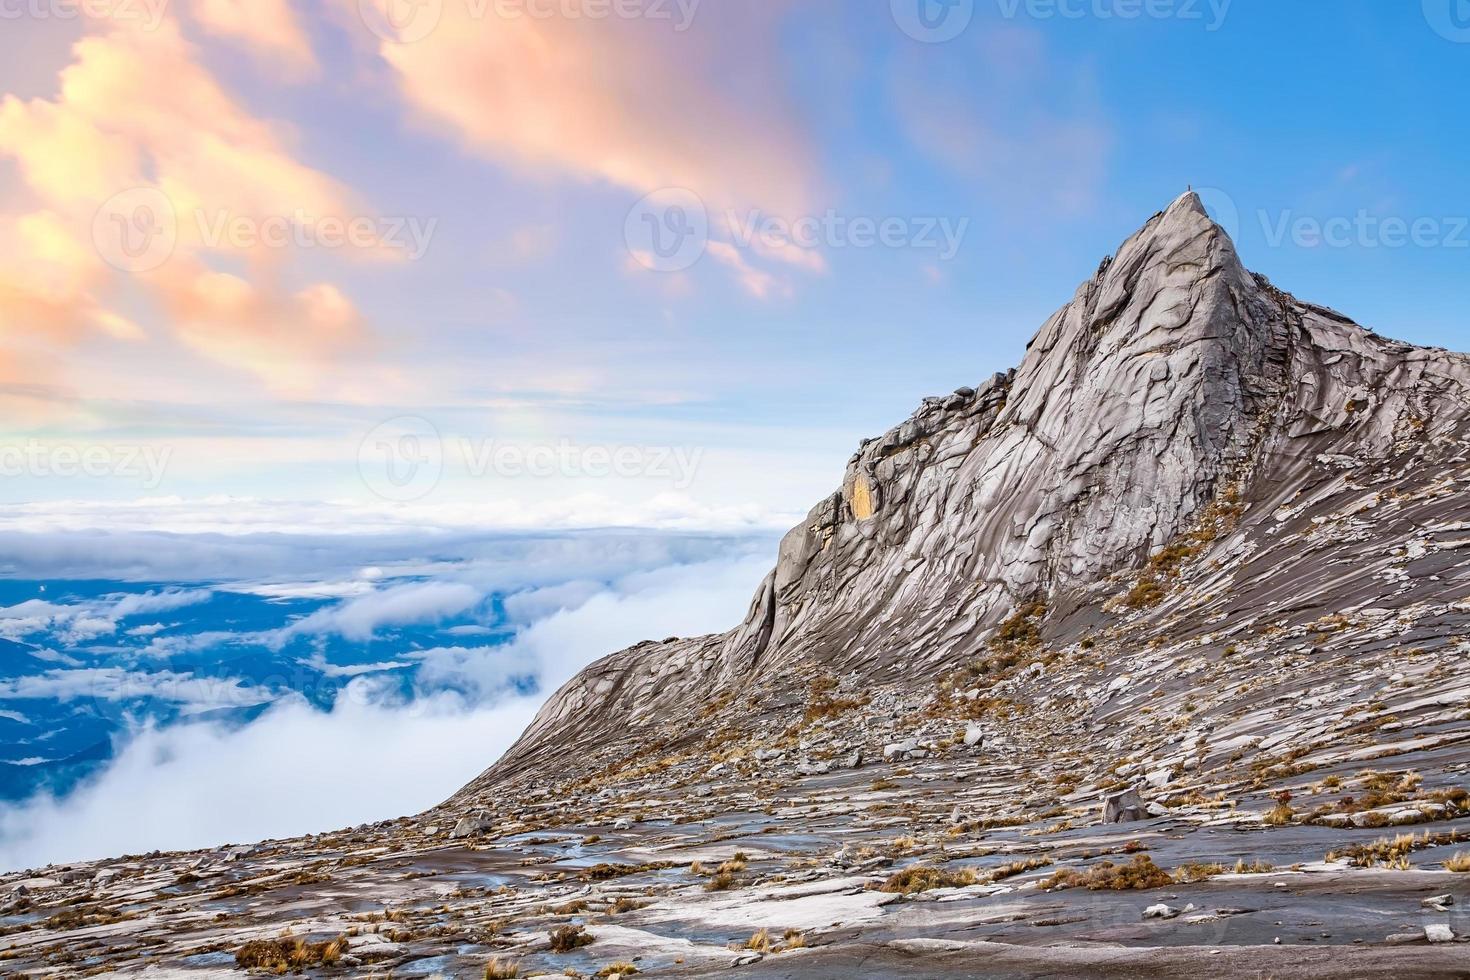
(1038, 137)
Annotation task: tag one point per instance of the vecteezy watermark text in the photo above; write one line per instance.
(1364, 230)
(138, 230)
(404, 459)
(34, 458)
(839, 231)
(487, 457)
(147, 13)
(669, 231)
(1361, 228)
(1211, 13)
(409, 235)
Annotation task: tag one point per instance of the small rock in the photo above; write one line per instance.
(1438, 933)
(1439, 902)
(974, 735)
(622, 823)
(1160, 911)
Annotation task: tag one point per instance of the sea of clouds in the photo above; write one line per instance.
(570, 597)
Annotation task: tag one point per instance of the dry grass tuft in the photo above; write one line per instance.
(1018, 867)
(625, 904)
(911, 881)
(1254, 868)
(1141, 874)
(289, 954)
(1188, 873)
(564, 939)
(498, 969)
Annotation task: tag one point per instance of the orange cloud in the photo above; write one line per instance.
(632, 101)
(136, 114)
(281, 335)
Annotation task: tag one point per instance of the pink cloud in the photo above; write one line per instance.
(634, 102)
(268, 27)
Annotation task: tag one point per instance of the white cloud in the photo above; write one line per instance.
(321, 665)
(156, 602)
(401, 605)
(296, 770)
(111, 684)
(73, 623)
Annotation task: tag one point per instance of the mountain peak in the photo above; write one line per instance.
(1174, 387)
(1188, 201)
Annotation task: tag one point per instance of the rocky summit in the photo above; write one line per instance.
(1146, 658)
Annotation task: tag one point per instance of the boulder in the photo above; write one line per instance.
(471, 825)
(900, 750)
(1123, 807)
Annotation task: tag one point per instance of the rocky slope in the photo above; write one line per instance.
(1147, 658)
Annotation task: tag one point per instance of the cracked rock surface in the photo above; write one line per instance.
(1147, 658)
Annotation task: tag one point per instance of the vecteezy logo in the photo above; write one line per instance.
(401, 21)
(668, 230)
(1449, 18)
(1222, 209)
(932, 21)
(136, 230)
(402, 459)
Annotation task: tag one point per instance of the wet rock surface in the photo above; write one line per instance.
(1146, 659)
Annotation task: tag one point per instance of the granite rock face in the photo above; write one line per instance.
(1173, 380)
